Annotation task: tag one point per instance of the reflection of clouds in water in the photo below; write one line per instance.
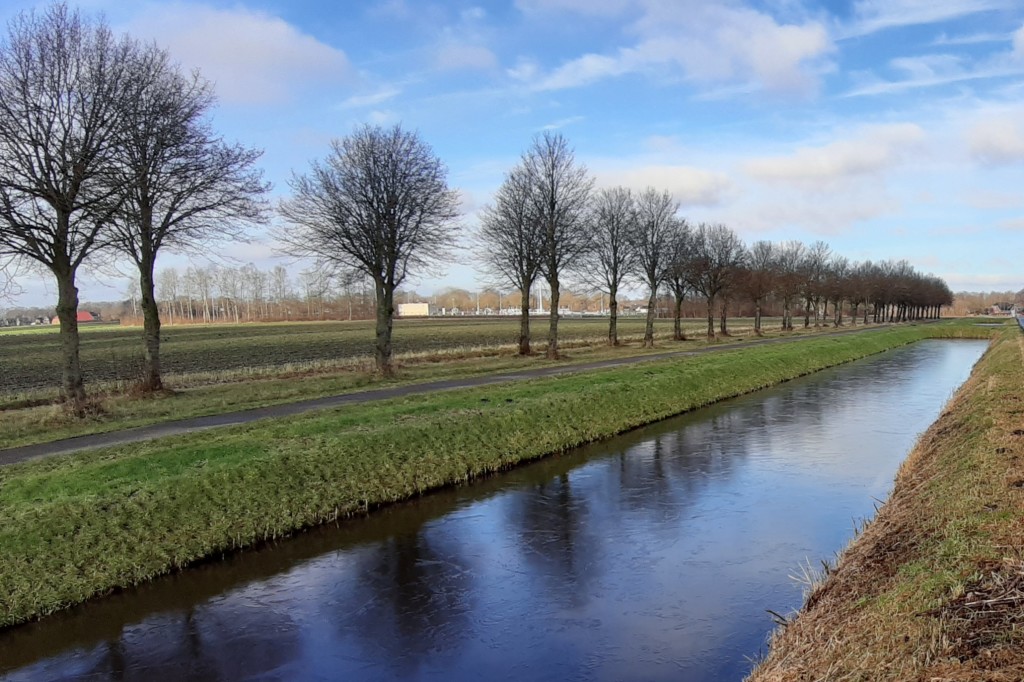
(654, 557)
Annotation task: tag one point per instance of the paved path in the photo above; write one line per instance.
(174, 428)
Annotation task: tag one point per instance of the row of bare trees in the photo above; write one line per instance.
(547, 221)
(106, 147)
(218, 293)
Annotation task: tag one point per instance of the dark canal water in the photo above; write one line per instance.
(653, 556)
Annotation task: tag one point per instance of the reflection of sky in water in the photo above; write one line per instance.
(652, 556)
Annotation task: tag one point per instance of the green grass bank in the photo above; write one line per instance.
(79, 526)
(933, 586)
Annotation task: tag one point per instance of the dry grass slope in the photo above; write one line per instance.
(933, 589)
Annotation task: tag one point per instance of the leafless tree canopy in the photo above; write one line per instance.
(715, 258)
(511, 243)
(813, 269)
(789, 260)
(182, 187)
(379, 203)
(612, 259)
(759, 276)
(678, 278)
(653, 240)
(63, 80)
(559, 193)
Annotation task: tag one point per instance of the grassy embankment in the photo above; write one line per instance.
(933, 587)
(218, 369)
(77, 526)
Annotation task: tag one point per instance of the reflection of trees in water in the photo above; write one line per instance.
(550, 521)
(411, 601)
(667, 472)
(219, 641)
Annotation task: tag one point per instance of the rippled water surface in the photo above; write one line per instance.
(653, 556)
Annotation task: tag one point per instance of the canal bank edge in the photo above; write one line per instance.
(80, 526)
(933, 586)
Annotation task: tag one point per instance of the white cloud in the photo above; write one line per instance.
(371, 99)
(588, 69)
(989, 200)
(1012, 224)
(997, 141)
(562, 122)
(971, 39)
(601, 8)
(707, 43)
(525, 70)
(1018, 43)
(381, 117)
(689, 186)
(935, 70)
(968, 281)
(253, 57)
(455, 56)
(878, 15)
(874, 150)
(813, 213)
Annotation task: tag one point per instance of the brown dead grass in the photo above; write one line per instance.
(933, 588)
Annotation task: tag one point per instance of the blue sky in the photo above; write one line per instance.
(888, 128)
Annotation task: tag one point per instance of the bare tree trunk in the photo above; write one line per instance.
(613, 317)
(711, 317)
(757, 317)
(524, 320)
(151, 380)
(723, 325)
(677, 322)
(652, 309)
(385, 322)
(552, 353)
(72, 382)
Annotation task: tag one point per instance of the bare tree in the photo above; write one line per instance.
(759, 277)
(379, 203)
(229, 288)
(789, 261)
(169, 283)
(613, 257)
(653, 240)
(714, 262)
(679, 274)
(511, 244)
(63, 80)
(837, 287)
(813, 269)
(182, 186)
(559, 193)
(280, 289)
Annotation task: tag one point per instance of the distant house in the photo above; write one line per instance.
(84, 317)
(1002, 309)
(416, 309)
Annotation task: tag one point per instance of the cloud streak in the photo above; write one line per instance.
(705, 43)
(872, 16)
(875, 150)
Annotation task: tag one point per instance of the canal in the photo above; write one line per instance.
(653, 556)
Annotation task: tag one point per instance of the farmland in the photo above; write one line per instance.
(30, 358)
